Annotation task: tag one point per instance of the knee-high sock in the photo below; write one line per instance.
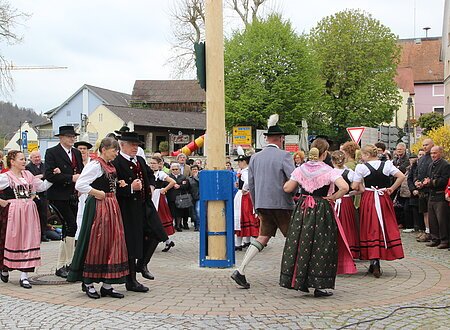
(61, 255)
(237, 240)
(70, 247)
(251, 252)
(246, 239)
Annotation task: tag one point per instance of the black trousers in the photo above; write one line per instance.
(42, 208)
(439, 218)
(68, 210)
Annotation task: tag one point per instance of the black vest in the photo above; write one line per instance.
(376, 178)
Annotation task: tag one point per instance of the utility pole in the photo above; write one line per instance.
(215, 119)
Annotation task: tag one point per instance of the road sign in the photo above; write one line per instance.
(24, 140)
(355, 133)
(242, 136)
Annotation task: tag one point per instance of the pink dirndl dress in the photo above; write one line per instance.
(23, 233)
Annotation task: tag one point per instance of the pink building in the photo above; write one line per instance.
(422, 56)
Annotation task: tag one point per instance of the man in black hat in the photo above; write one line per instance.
(62, 193)
(267, 172)
(143, 228)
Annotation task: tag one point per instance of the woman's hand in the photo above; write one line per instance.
(389, 191)
(122, 183)
(176, 186)
(163, 191)
(57, 171)
(100, 195)
(3, 203)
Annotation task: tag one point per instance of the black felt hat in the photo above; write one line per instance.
(243, 157)
(82, 143)
(122, 129)
(130, 137)
(272, 126)
(66, 130)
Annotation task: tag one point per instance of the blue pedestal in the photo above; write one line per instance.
(216, 186)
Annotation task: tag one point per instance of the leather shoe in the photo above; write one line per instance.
(92, 294)
(62, 272)
(303, 288)
(111, 293)
(25, 284)
(136, 287)
(168, 246)
(433, 244)
(424, 238)
(238, 248)
(146, 274)
(442, 246)
(4, 278)
(240, 279)
(322, 293)
(178, 229)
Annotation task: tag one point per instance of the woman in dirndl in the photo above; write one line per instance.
(101, 253)
(344, 206)
(163, 183)
(246, 221)
(379, 235)
(20, 231)
(315, 249)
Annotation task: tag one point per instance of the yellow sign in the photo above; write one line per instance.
(32, 146)
(242, 135)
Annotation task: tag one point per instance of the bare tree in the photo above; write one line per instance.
(188, 24)
(10, 18)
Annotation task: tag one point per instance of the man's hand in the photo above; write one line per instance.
(122, 183)
(57, 171)
(415, 192)
(136, 185)
(3, 203)
(75, 177)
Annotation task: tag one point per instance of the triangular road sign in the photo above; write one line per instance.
(355, 133)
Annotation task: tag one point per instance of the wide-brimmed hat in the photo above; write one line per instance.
(272, 126)
(122, 129)
(243, 157)
(130, 137)
(66, 130)
(82, 143)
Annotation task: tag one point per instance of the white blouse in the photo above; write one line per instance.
(161, 175)
(350, 175)
(361, 170)
(91, 171)
(38, 183)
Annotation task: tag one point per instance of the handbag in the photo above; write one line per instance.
(183, 201)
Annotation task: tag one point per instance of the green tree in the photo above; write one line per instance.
(430, 121)
(269, 69)
(358, 58)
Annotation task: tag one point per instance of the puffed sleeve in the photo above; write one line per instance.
(90, 172)
(359, 173)
(244, 177)
(390, 169)
(4, 181)
(40, 185)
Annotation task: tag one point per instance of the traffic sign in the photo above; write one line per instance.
(355, 133)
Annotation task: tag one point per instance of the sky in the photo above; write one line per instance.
(112, 43)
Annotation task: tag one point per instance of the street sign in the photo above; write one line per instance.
(355, 133)
(242, 136)
(24, 140)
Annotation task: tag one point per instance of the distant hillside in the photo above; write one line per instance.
(11, 117)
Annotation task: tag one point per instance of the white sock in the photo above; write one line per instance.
(246, 239)
(5, 273)
(237, 241)
(24, 276)
(427, 230)
(107, 286)
(62, 255)
(168, 241)
(251, 252)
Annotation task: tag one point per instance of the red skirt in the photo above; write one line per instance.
(372, 243)
(347, 217)
(106, 256)
(165, 215)
(249, 220)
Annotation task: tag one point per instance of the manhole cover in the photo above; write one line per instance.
(47, 279)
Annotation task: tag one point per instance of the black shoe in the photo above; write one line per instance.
(44, 238)
(186, 227)
(168, 246)
(111, 293)
(196, 229)
(240, 279)
(370, 269)
(322, 293)
(83, 287)
(246, 245)
(178, 229)
(25, 284)
(238, 248)
(146, 274)
(136, 287)
(93, 295)
(376, 270)
(62, 272)
(4, 278)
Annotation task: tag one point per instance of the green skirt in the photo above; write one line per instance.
(310, 253)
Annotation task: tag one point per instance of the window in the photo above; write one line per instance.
(439, 110)
(438, 90)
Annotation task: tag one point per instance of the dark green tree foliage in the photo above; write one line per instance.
(358, 58)
(430, 121)
(268, 69)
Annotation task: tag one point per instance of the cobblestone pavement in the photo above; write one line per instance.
(186, 296)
